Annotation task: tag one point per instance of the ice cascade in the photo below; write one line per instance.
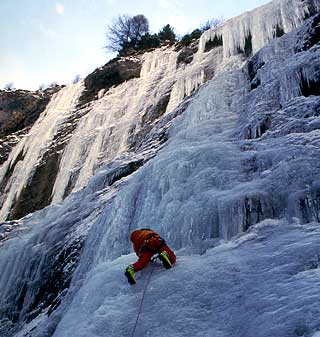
(240, 158)
(29, 152)
(252, 30)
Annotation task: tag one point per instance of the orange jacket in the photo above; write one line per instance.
(140, 237)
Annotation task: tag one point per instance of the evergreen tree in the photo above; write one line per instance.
(188, 38)
(149, 41)
(196, 34)
(167, 34)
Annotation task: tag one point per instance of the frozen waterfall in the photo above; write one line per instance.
(234, 189)
(29, 152)
(256, 28)
(110, 126)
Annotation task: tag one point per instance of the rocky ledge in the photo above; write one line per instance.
(113, 73)
(19, 109)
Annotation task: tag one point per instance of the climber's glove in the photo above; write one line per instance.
(130, 274)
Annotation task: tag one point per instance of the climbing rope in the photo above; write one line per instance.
(140, 307)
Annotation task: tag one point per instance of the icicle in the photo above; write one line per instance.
(104, 133)
(184, 87)
(261, 24)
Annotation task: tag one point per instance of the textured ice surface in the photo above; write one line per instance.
(265, 283)
(29, 151)
(213, 180)
(245, 149)
(260, 25)
(114, 121)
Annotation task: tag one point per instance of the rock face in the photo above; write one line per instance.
(19, 109)
(186, 54)
(113, 73)
(8, 142)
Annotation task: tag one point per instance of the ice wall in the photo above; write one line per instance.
(106, 131)
(118, 120)
(253, 30)
(273, 270)
(212, 179)
(115, 121)
(245, 148)
(119, 116)
(38, 257)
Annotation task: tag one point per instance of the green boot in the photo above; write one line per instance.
(164, 258)
(130, 274)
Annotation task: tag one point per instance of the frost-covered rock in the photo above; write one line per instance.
(113, 73)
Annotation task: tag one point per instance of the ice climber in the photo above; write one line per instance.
(147, 243)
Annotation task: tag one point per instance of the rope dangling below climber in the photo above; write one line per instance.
(140, 307)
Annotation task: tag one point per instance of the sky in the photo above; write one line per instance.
(46, 41)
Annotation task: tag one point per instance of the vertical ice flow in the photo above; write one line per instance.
(104, 133)
(28, 153)
(262, 24)
(113, 120)
(206, 183)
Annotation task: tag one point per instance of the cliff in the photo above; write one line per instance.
(19, 109)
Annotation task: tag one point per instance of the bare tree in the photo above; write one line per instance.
(52, 85)
(126, 31)
(9, 86)
(139, 27)
(42, 86)
(118, 32)
(76, 79)
(211, 24)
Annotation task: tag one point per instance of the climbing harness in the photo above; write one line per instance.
(140, 307)
(145, 246)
